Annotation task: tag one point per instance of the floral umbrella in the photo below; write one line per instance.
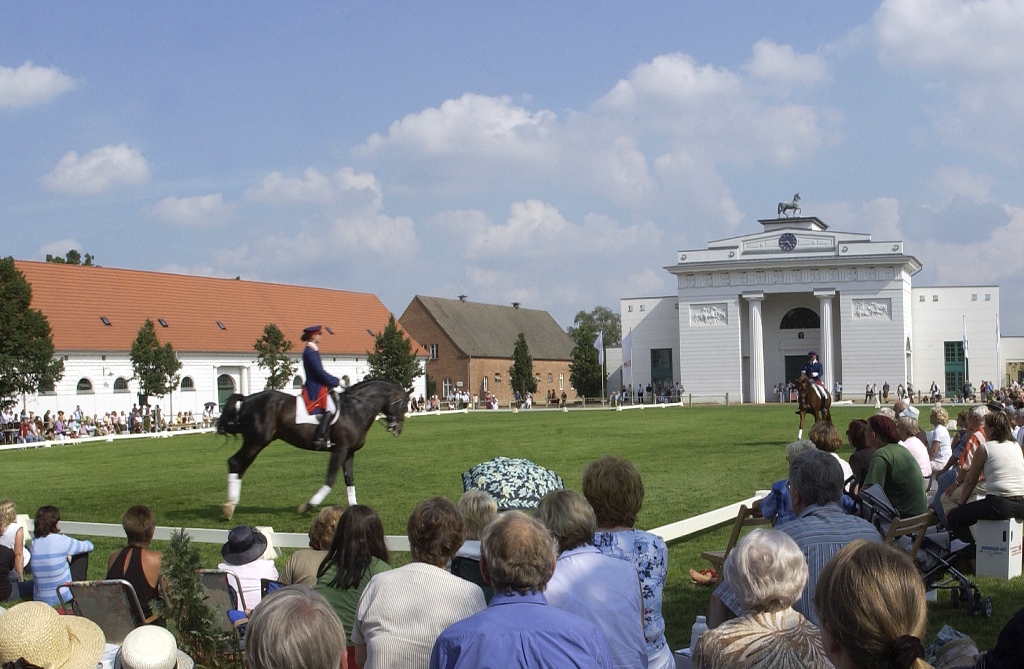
(514, 483)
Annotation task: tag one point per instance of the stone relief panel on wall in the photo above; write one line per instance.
(875, 309)
(704, 315)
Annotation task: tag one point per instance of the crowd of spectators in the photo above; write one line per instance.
(26, 427)
(579, 584)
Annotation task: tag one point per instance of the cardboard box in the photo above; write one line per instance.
(999, 551)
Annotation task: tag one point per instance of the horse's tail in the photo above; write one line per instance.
(229, 422)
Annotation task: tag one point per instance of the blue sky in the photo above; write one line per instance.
(552, 153)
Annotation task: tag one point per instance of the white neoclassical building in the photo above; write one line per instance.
(748, 309)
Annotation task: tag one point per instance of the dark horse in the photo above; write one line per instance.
(270, 415)
(811, 403)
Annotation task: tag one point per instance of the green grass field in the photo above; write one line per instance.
(693, 460)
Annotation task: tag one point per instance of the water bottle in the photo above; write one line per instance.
(699, 627)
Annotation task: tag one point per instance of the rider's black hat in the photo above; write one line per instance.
(308, 333)
(814, 353)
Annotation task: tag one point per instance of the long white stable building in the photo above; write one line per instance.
(748, 309)
(95, 314)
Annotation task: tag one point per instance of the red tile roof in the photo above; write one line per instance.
(75, 299)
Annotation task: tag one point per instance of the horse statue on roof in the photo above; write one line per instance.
(793, 206)
(268, 415)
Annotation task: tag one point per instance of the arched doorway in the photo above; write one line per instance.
(799, 318)
(225, 388)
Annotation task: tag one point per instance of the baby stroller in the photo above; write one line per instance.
(937, 552)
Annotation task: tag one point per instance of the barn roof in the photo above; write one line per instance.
(202, 314)
(491, 330)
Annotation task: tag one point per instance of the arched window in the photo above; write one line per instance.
(187, 383)
(84, 386)
(297, 383)
(120, 385)
(800, 318)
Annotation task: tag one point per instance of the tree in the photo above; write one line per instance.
(272, 355)
(73, 257)
(601, 319)
(194, 623)
(392, 358)
(26, 345)
(520, 374)
(156, 367)
(585, 371)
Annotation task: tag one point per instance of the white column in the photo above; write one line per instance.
(756, 348)
(825, 354)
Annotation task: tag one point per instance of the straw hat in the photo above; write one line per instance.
(151, 647)
(34, 631)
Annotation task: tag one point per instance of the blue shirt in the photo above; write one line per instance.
(521, 631)
(606, 591)
(820, 532)
(649, 555)
(777, 505)
(50, 568)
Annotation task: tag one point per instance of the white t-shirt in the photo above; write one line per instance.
(941, 435)
(920, 453)
(847, 471)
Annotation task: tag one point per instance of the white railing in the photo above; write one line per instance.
(400, 543)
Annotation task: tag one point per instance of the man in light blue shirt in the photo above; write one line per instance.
(518, 628)
(820, 529)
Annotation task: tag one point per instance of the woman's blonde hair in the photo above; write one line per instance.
(8, 514)
(870, 600)
(477, 508)
(940, 415)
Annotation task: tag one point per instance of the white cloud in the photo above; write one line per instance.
(950, 182)
(972, 52)
(201, 210)
(716, 115)
(990, 259)
(472, 124)
(780, 63)
(979, 37)
(317, 188)
(31, 84)
(879, 217)
(537, 230)
(97, 171)
(59, 248)
(387, 238)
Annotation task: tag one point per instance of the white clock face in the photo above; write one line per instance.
(787, 242)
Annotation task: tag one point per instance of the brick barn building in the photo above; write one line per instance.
(470, 345)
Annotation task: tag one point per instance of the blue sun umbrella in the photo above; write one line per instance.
(514, 483)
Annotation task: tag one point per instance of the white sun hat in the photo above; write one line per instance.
(151, 647)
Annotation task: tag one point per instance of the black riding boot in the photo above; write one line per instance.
(320, 442)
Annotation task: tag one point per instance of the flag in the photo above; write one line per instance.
(599, 345)
(627, 351)
(966, 355)
(997, 336)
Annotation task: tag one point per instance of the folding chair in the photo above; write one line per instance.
(224, 594)
(111, 604)
(744, 518)
(268, 586)
(914, 526)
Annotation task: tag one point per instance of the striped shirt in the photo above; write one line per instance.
(403, 611)
(50, 568)
(820, 532)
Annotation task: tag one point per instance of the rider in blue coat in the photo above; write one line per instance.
(318, 384)
(814, 371)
